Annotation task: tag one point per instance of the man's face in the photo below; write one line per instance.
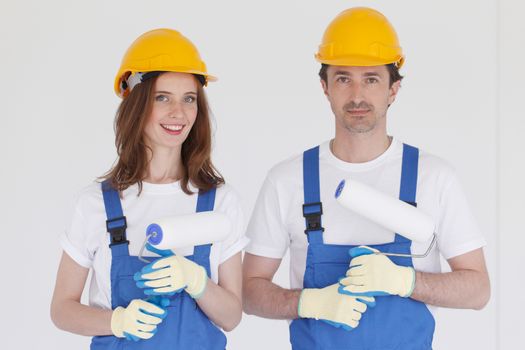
(359, 96)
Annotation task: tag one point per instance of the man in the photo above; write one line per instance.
(379, 302)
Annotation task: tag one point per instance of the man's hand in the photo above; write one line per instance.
(328, 305)
(372, 274)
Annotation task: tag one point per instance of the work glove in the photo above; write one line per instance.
(137, 321)
(373, 274)
(170, 275)
(328, 305)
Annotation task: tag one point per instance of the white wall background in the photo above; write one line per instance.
(461, 99)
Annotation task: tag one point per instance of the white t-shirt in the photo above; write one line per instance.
(86, 240)
(277, 222)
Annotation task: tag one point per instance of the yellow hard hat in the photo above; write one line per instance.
(360, 36)
(164, 50)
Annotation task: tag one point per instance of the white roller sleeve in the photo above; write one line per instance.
(189, 230)
(391, 213)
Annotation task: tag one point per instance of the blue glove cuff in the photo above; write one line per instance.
(338, 325)
(341, 290)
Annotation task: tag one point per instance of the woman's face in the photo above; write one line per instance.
(174, 110)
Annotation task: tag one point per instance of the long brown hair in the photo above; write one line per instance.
(132, 163)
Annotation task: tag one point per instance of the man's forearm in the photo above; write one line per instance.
(462, 289)
(266, 299)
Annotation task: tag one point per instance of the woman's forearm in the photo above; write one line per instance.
(74, 317)
(221, 306)
(67, 312)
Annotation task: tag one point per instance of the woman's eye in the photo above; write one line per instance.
(161, 98)
(189, 99)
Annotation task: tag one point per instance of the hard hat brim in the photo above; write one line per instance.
(359, 61)
(208, 77)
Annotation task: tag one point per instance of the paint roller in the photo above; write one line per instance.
(391, 213)
(186, 230)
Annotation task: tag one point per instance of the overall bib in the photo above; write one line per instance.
(395, 322)
(185, 326)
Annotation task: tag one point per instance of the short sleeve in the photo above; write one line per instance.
(458, 232)
(236, 240)
(75, 239)
(266, 229)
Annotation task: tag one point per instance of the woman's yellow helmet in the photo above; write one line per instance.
(164, 50)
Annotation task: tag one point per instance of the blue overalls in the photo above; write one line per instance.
(395, 322)
(185, 326)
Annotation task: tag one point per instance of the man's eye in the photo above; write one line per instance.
(343, 79)
(371, 80)
(161, 98)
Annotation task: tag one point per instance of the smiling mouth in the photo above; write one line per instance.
(171, 127)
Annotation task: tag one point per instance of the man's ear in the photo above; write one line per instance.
(324, 85)
(394, 89)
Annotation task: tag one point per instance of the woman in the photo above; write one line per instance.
(163, 138)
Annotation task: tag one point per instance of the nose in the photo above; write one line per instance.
(356, 93)
(176, 110)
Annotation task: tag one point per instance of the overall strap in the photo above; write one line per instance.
(205, 202)
(408, 186)
(312, 207)
(116, 221)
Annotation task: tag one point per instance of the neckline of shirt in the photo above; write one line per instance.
(325, 151)
(152, 188)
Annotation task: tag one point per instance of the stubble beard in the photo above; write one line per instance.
(360, 124)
